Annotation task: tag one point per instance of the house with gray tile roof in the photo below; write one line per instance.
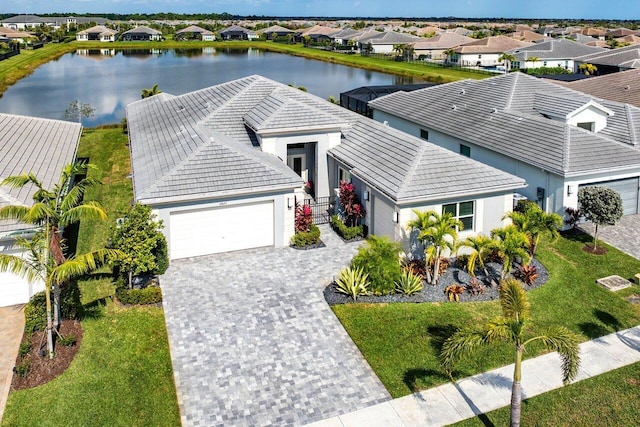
(29, 145)
(98, 32)
(484, 52)
(557, 139)
(623, 87)
(614, 60)
(224, 166)
(384, 42)
(195, 32)
(236, 32)
(553, 53)
(142, 33)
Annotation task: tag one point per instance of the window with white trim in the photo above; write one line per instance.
(463, 211)
(343, 175)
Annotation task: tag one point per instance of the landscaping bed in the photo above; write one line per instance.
(430, 293)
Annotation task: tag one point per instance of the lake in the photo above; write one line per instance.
(109, 79)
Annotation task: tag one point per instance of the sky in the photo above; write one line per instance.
(578, 9)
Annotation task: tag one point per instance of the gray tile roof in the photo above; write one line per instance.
(500, 114)
(236, 29)
(30, 144)
(201, 145)
(624, 57)
(390, 37)
(554, 49)
(142, 29)
(621, 87)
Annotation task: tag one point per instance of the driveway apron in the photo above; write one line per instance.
(11, 331)
(625, 235)
(254, 343)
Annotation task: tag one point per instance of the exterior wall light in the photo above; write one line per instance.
(569, 190)
(365, 195)
(396, 217)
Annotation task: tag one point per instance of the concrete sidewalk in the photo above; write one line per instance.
(11, 330)
(491, 390)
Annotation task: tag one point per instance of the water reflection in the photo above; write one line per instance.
(110, 79)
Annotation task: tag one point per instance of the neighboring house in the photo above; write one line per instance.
(552, 53)
(224, 166)
(41, 146)
(527, 36)
(484, 52)
(557, 139)
(194, 32)
(597, 33)
(142, 33)
(342, 37)
(276, 31)
(236, 32)
(23, 22)
(612, 61)
(629, 39)
(385, 42)
(357, 100)
(581, 38)
(434, 47)
(621, 32)
(19, 36)
(99, 33)
(318, 33)
(621, 87)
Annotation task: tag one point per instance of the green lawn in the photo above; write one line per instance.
(122, 374)
(610, 399)
(402, 341)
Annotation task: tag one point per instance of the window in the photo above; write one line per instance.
(465, 150)
(343, 175)
(544, 64)
(424, 134)
(464, 211)
(587, 125)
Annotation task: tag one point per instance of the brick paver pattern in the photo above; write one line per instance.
(254, 343)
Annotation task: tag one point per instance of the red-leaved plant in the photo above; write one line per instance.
(303, 218)
(353, 209)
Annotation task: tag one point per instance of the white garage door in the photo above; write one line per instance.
(628, 189)
(222, 229)
(16, 290)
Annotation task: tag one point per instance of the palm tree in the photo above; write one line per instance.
(437, 233)
(448, 53)
(147, 93)
(511, 244)
(51, 212)
(481, 246)
(534, 222)
(508, 59)
(511, 328)
(533, 59)
(587, 69)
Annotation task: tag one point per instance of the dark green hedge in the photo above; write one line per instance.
(345, 232)
(308, 238)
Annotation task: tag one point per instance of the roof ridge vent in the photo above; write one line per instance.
(462, 92)
(454, 107)
(494, 110)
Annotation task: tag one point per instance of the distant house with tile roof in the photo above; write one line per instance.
(621, 87)
(41, 146)
(552, 53)
(434, 47)
(194, 32)
(484, 52)
(224, 166)
(385, 42)
(276, 31)
(236, 32)
(555, 138)
(613, 61)
(142, 33)
(97, 33)
(527, 36)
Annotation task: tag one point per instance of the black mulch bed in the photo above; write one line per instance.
(320, 244)
(436, 293)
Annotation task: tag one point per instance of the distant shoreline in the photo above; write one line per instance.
(20, 66)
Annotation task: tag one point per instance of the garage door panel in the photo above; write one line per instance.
(221, 229)
(383, 224)
(628, 190)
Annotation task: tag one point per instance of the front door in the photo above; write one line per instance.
(298, 162)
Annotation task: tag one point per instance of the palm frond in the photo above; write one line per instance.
(565, 342)
(19, 181)
(513, 300)
(465, 342)
(88, 210)
(83, 264)
(14, 212)
(19, 266)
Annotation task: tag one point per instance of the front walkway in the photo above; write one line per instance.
(624, 236)
(491, 390)
(11, 331)
(253, 342)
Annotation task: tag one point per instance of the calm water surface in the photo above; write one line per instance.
(109, 80)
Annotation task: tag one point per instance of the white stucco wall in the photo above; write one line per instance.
(549, 63)
(590, 114)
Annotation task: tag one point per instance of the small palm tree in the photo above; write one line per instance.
(587, 69)
(535, 223)
(511, 244)
(481, 246)
(507, 58)
(511, 328)
(147, 93)
(533, 59)
(52, 211)
(437, 233)
(448, 53)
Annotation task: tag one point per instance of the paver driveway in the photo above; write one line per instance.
(624, 236)
(254, 343)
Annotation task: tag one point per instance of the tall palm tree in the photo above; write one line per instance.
(535, 223)
(52, 210)
(511, 244)
(481, 246)
(438, 233)
(511, 328)
(508, 59)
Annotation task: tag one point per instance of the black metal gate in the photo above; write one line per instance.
(322, 208)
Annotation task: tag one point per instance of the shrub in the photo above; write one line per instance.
(524, 205)
(68, 341)
(527, 274)
(475, 287)
(345, 232)
(148, 295)
(573, 217)
(409, 283)
(353, 282)
(25, 347)
(442, 267)
(380, 260)
(350, 202)
(303, 218)
(462, 262)
(35, 313)
(416, 267)
(308, 238)
(22, 369)
(453, 292)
